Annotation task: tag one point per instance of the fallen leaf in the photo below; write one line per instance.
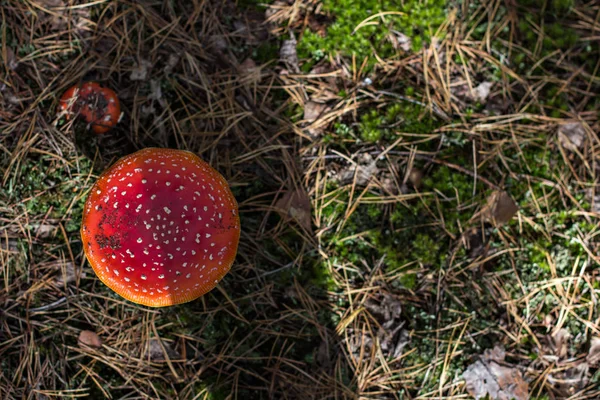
(89, 338)
(415, 177)
(156, 353)
(61, 16)
(249, 71)
(488, 377)
(572, 373)
(70, 275)
(171, 64)
(571, 135)
(500, 208)
(566, 381)
(391, 335)
(288, 54)
(43, 230)
(593, 357)
(218, 42)
(482, 91)
(156, 93)
(140, 73)
(11, 60)
(318, 24)
(313, 110)
(558, 343)
(296, 204)
(390, 186)
(247, 66)
(401, 41)
(364, 169)
(476, 242)
(324, 353)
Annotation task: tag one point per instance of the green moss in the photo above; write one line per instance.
(371, 129)
(42, 187)
(419, 21)
(409, 281)
(425, 249)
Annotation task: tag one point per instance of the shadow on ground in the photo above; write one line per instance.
(178, 68)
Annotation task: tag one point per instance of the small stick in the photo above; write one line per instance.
(50, 306)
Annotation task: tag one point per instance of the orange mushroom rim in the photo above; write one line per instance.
(160, 227)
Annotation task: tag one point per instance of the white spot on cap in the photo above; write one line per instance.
(144, 277)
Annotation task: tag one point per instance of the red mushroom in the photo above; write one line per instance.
(98, 105)
(160, 227)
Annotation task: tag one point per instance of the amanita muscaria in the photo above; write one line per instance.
(161, 227)
(98, 105)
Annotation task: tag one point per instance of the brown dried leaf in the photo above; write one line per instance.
(559, 343)
(593, 357)
(295, 204)
(500, 208)
(313, 110)
(415, 177)
(61, 16)
(288, 54)
(247, 66)
(568, 381)
(11, 60)
(488, 377)
(89, 338)
(482, 91)
(401, 41)
(364, 169)
(70, 275)
(171, 64)
(156, 353)
(318, 24)
(43, 230)
(141, 72)
(571, 135)
(391, 334)
(249, 71)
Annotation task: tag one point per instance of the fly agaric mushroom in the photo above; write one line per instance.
(160, 227)
(98, 105)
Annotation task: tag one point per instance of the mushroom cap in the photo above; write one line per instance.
(160, 227)
(98, 105)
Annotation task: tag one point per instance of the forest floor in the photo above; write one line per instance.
(417, 190)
